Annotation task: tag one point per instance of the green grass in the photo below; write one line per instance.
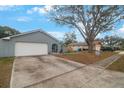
(118, 65)
(5, 60)
(5, 71)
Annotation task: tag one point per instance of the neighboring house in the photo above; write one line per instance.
(36, 42)
(81, 46)
(97, 45)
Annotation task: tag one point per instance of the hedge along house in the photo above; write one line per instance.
(36, 42)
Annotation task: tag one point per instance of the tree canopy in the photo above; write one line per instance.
(88, 20)
(69, 37)
(111, 41)
(7, 31)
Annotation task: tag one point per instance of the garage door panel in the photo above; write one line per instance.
(27, 49)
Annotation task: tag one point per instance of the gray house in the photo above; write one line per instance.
(36, 42)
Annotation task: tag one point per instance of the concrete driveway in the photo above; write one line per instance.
(30, 70)
(50, 71)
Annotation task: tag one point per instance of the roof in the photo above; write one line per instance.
(78, 44)
(29, 32)
(96, 42)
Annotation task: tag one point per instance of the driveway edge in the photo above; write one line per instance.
(76, 62)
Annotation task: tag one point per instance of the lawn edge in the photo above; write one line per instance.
(113, 61)
(68, 60)
(11, 78)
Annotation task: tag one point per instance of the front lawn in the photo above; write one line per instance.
(5, 71)
(85, 57)
(118, 65)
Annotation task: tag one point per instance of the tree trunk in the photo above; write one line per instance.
(90, 46)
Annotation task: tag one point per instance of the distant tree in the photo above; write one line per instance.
(88, 20)
(7, 31)
(112, 41)
(69, 37)
(122, 43)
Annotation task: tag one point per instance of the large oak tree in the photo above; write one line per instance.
(88, 20)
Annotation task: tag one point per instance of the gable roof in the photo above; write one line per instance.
(29, 32)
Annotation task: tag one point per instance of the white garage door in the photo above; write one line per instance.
(27, 49)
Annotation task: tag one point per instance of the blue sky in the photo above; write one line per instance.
(30, 17)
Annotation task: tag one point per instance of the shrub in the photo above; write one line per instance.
(107, 49)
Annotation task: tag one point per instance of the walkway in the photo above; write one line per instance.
(106, 62)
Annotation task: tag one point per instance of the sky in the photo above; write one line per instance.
(31, 17)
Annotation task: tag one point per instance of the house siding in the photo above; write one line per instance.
(7, 47)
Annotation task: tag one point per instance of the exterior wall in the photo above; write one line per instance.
(7, 48)
(97, 47)
(75, 48)
(85, 47)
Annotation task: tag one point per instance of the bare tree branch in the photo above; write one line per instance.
(88, 20)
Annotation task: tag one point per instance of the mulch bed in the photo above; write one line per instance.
(85, 57)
